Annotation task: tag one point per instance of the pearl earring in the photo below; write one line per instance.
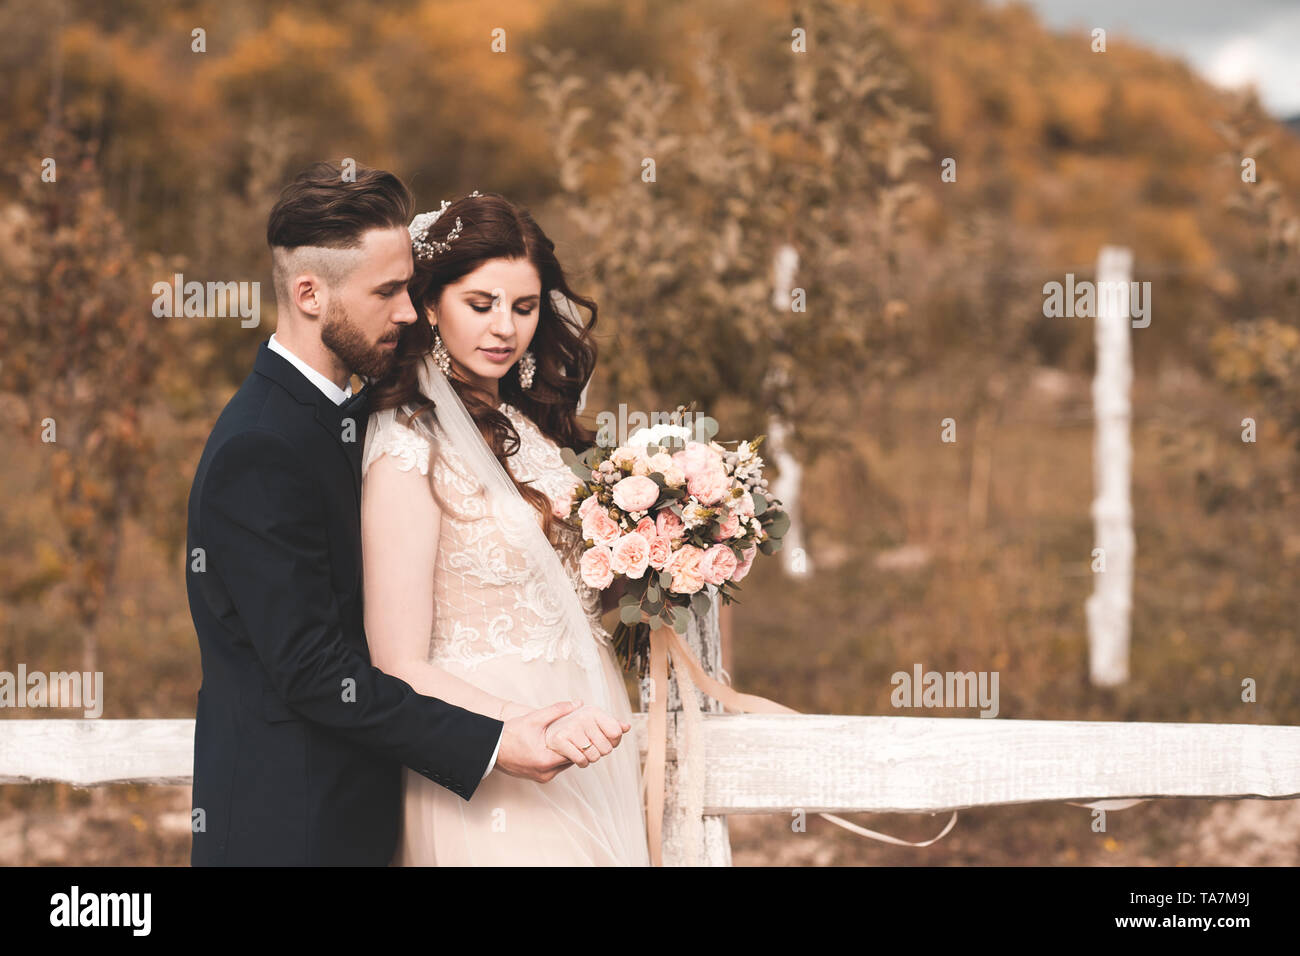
(440, 353)
(527, 368)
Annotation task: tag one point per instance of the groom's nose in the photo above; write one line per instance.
(405, 313)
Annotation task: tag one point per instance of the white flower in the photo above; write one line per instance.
(644, 436)
(694, 514)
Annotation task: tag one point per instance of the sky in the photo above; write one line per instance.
(1229, 42)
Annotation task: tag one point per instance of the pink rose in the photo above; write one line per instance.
(660, 461)
(627, 456)
(670, 526)
(595, 568)
(730, 528)
(599, 527)
(587, 505)
(685, 569)
(718, 564)
(661, 552)
(631, 554)
(696, 458)
(745, 505)
(710, 487)
(636, 493)
(746, 559)
(646, 526)
(563, 506)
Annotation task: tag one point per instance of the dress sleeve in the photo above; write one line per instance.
(406, 445)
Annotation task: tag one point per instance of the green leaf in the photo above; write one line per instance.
(681, 619)
(627, 599)
(665, 579)
(760, 502)
(700, 603)
(779, 525)
(629, 614)
(652, 592)
(705, 428)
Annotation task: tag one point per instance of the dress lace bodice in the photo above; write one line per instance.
(487, 602)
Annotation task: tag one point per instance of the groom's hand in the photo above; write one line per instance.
(523, 750)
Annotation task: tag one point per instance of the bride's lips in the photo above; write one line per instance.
(500, 356)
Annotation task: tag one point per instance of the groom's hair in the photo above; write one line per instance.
(317, 223)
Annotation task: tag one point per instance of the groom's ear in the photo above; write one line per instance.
(308, 294)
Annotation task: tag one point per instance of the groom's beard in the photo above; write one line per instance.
(349, 343)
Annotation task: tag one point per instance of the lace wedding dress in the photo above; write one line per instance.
(494, 626)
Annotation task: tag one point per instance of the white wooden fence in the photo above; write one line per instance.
(779, 764)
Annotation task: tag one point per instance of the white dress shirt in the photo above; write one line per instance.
(338, 396)
(335, 394)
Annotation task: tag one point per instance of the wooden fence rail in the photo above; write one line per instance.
(773, 764)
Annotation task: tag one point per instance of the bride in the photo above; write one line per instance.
(472, 590)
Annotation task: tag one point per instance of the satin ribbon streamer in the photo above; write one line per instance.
(666, 644)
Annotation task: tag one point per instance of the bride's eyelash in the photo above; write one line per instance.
(488, 308)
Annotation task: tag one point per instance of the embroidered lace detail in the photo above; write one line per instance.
(487, 601)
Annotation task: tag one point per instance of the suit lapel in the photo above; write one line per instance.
(333, 418)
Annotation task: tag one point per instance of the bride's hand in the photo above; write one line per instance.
(585, 735)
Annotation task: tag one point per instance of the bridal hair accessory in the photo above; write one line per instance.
(426, 248)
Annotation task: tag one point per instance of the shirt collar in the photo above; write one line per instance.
(335, 394)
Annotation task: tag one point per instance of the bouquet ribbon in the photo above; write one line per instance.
(666, 644)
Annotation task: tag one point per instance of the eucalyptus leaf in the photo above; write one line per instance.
(700, 603)
(705, 428)
(629, 614)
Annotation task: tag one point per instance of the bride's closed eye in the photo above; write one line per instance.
(488, 308)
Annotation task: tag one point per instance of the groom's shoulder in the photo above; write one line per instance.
(262, 417)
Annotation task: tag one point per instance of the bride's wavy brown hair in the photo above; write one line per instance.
(495, 228)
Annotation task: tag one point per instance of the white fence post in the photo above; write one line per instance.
(1109, 608)
(686, 828)
(785, 486)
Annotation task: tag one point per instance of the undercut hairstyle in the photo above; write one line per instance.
(318, 222)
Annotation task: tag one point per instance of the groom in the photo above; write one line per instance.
(298, 741)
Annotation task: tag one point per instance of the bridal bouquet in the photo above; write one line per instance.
(676, 517)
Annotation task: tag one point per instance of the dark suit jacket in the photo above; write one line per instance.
(298, 740)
